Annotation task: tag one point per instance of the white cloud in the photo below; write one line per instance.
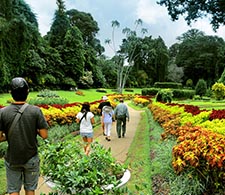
(150, 12)
(154, 16)
(160, 23)
(44, 10)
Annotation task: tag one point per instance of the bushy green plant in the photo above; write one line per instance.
(75, 173)
(201, 87)
(3, 148)
(47, 97)
(48, 101)
(58, 132)
(164, 95)
(2, 177)
(183, 93)
(47, 94)
(150, 91)
(218, 90)
(222, 78)
(164, 85)
(189, 83)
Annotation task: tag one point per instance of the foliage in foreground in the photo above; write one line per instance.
(75, 173)
(2, 177)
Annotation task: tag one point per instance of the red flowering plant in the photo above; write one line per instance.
(217, 114)
(203, 151)
(200, 151)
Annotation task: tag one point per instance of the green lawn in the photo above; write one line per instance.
(88, 95)
(209, 105)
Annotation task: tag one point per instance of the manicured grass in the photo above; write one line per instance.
(210, 104)
(138, 160)
(89, 95)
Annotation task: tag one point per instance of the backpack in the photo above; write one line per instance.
(107, 109)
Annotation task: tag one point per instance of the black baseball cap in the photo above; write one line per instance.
(19, 83)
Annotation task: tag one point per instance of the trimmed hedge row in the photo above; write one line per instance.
(177, 93)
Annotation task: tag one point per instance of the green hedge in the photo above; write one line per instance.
(150, 91)
(172, 85)
(177, 93)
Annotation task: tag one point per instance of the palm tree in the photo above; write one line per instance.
(115, 24)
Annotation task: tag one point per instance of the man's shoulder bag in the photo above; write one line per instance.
(17, 117)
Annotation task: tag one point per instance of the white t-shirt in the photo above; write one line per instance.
(85, 124)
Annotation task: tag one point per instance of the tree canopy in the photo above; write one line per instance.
(194, 9)
(71, 55)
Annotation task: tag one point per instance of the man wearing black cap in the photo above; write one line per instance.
(20, 129)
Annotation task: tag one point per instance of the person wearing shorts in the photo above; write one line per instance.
(22, 160)
(100, 107)
(86, 119)
(31, 175)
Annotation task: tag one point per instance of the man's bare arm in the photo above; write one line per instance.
(2, 136)
(43, 133)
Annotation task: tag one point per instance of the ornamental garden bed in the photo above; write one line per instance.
(61, 152)
(198, 152)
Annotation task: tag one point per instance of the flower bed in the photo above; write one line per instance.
(199, 150)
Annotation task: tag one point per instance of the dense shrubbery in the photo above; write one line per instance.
(172, 85)
(164, 95)
(201, 88)
(218, 91)
(177, 93)
(87, 175)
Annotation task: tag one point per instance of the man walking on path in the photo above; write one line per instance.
(121, 116)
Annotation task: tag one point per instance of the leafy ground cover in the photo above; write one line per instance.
(2, 177)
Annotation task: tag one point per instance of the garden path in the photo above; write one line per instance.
(119, 147)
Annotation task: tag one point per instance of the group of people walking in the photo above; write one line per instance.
(21, 123)
(120, 115)
(108, 115)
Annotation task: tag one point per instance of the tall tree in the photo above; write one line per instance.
(201, 56)
(59, 26)
(19, 33)
(89, 29)
(125, 56)
(194, 9)
(85, 23)
(73, 55)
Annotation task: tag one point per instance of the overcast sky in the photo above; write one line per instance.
(155, 18)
